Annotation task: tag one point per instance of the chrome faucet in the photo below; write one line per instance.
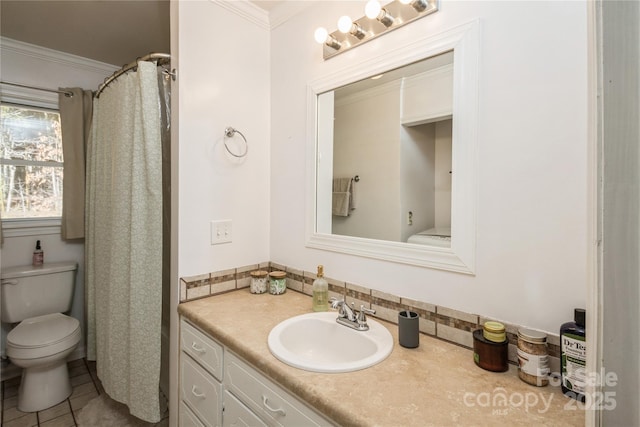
(348, 316)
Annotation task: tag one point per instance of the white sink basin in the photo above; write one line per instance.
(315, 342)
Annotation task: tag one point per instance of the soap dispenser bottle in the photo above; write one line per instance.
(320, 291)
(38, 255)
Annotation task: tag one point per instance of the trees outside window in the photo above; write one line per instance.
(31, 162)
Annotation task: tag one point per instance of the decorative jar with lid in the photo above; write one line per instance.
(259, 280)
(277, 282)
(533, 360)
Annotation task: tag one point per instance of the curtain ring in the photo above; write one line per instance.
(230, 132)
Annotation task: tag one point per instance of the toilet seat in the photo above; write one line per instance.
(43, 336)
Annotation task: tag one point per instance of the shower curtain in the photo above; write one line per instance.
(124, 241)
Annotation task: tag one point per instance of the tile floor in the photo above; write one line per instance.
(86, 386)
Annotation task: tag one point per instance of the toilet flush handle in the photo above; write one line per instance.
(9, 282)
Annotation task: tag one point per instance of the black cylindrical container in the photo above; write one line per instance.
(408, 329)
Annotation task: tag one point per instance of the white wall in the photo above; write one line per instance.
(532, 155)
(32, 65)
(443, 173)
(223, 81)
(367, 144)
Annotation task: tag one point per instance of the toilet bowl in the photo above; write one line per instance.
(40, 345)
(34, 298)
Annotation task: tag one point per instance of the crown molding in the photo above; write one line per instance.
(267, 20)
(55, 56)
(246, 10)
(287, 10)
(367, 94)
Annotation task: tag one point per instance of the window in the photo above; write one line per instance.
(31, 162)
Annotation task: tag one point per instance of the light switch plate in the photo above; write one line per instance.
(221, 232)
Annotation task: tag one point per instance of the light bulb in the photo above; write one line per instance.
(344, 24)
(372, 9)
(321, 35)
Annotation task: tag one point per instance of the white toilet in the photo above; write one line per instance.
(36, 297)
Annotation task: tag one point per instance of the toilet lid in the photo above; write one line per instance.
(42, 330)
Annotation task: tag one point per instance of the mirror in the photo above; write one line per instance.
(384, 137)
(392, 147)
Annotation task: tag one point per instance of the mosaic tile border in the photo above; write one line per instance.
(437, 321)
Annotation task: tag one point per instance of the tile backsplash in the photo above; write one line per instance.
(437, 321)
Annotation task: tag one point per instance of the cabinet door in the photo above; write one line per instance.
(201, 392)
(236, 414)
(188, 418)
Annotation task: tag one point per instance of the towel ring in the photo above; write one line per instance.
(230, 132)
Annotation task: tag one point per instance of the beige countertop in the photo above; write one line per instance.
(436, 384)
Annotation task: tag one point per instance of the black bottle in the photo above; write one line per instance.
(573, 356)
(38, 255)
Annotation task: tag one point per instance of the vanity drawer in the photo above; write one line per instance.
(200, 391)
(203, 349)
(267, 400)
(236, 414)
(188, 418)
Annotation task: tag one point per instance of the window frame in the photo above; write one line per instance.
(30, 98)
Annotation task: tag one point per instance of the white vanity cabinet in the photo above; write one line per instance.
(187, 417)
(266, 399)
(237, 414)
(428, 97)
(200, 378)
(218, 388)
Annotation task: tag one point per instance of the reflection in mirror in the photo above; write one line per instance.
(394, 132)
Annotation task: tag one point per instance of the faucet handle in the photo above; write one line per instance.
(362, 318)
(367, 310)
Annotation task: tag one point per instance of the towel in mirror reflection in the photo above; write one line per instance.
(343, 200)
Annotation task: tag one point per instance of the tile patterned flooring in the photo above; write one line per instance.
(86, 386)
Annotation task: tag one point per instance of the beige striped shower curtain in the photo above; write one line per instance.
(123, 241)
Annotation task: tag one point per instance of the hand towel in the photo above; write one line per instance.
(342, 198)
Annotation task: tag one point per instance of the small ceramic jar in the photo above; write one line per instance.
(259, 280)
(277, 282)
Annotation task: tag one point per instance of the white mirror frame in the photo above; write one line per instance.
(460, 257)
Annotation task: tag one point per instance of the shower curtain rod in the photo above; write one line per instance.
(66, 93)
(160, 57)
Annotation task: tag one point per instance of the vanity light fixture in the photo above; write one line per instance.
(378, 20)
(373, 10)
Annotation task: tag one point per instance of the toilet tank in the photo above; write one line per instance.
(29, 291)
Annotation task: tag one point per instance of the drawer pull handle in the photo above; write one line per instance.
(196, 393)
(275, 410)
(197, 348)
